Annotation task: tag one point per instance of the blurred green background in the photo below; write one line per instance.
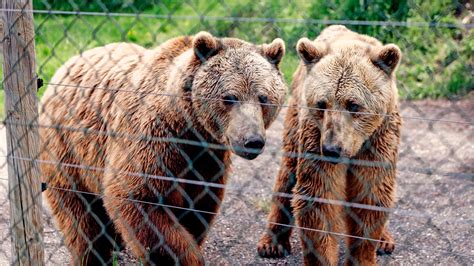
(437, 62)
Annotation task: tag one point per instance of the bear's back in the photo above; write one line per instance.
(113, 64)
(117, 71)
(92, 91)
(336, 34)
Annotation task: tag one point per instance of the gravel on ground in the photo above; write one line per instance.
(432, 224)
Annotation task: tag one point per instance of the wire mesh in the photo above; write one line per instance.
(127, 181)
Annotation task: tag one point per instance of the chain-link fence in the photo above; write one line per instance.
(213, 147)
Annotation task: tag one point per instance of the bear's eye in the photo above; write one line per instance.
(321, 105)
(230, 100)
(263, 99)
(352, 107)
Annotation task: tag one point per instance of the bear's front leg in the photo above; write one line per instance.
(373, 187)
(275, 242)
(318, 220)
(364, 224)
(319, 246)
(152, 232)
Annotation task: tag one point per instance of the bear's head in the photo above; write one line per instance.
(348, 88)
(237, 90)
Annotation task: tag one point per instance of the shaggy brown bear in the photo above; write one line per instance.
(136, 142)
(344, 126)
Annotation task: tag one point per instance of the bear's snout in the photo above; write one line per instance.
(250, 147)
(256, 143)
(332, 151)
(254, 146)
(246, 131)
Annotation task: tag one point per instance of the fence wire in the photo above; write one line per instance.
(151, 161)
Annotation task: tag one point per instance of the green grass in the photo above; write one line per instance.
(62, 37)
(263, 205)
(437, 62)
(434, 65)
(2, 101)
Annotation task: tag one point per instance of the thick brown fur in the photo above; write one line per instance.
(341, 72)
(116, 119)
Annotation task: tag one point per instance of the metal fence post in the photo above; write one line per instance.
(21, 106)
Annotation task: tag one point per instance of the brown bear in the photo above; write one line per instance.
(136, 143)
(341, 137)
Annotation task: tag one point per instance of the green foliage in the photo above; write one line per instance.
(107, 5)
(437, 61)
(365, 10)
(2, 113)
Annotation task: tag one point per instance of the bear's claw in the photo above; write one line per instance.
(268, 248)
(385, 248)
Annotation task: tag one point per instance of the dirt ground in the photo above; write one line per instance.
(433, 223)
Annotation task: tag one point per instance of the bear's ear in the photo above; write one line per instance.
(387, 58)
(205, 45)
(310, 52)
(274, 51)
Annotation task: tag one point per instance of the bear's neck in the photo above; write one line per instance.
(181, 72)
(382, 145)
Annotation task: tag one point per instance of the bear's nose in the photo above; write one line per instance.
(332, 151)
(256, 143)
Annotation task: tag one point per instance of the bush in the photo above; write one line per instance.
(106, 5)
